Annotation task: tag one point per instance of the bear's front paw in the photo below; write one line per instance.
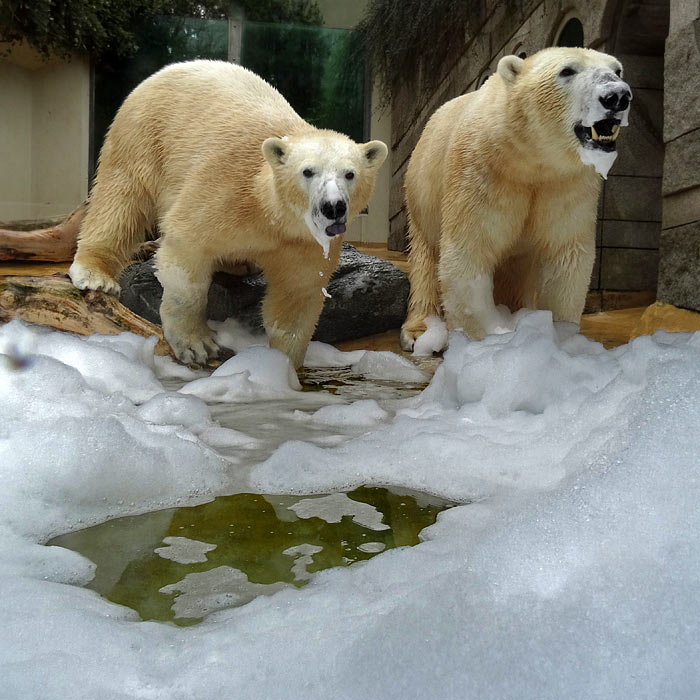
(87, 278)
(193, 350)
(410, 331)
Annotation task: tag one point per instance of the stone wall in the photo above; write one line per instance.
(630, 205)
(679, 269)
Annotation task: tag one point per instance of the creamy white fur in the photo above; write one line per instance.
(215, 156)
(501, 201)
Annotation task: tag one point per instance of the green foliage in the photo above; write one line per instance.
(63, 26)
(313, 68)
(107, 27)
(161, 40)
(399, 38)
(289, 11)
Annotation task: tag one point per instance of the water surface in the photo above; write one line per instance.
(179, 565)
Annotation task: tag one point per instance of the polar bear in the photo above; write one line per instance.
(228, 171)
(502, 190)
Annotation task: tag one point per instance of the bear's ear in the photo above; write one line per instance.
(509, 68)
(275, 151)
(375, 152)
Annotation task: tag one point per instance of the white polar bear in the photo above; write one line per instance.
(502, 190)
(229, 172)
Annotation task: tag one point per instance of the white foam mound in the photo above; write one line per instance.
(324, 355)
(572, 574)
(255, 373)
(434, 339)
(361, 413)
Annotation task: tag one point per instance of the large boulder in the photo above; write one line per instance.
(367, 295)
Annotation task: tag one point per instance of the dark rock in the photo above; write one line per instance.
(368, 295)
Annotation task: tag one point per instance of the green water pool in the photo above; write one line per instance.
(181, 564)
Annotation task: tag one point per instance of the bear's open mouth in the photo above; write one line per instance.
(601, 135)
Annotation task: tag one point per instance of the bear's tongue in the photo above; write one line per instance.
(335, 229)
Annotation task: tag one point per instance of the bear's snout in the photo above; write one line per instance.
(335, 210)
(616, 99)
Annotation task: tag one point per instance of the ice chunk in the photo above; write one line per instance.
(389, 365)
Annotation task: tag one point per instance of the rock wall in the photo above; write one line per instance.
(629, 226)
(679, 268)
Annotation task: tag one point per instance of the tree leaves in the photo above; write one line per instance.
(107, 27)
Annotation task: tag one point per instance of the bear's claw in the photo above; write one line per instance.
(85, 278)
(407, 339)
(194, 350)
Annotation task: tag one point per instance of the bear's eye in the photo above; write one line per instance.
(567, 72)
(350, 176)
(307, 172)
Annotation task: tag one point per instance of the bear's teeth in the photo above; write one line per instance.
(615, 131)
(594, 133)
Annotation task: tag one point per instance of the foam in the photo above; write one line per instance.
(571, 571)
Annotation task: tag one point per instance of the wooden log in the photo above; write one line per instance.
(55, 302)
(54, 244)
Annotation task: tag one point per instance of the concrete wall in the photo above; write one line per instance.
(44, 135)
(630, 206)
(15, 141)
(679, 269)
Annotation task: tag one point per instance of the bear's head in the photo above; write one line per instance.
(323, 178)
(569, 98)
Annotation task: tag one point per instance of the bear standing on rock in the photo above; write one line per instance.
(229, 172)
(502, 190)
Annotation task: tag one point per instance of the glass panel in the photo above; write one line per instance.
(315, 68)
(162, 40)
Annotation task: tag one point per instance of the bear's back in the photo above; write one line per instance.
(196, 113)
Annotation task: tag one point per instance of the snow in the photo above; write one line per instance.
(572, 569)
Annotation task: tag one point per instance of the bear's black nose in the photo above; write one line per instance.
(617, 100)
(334, 210)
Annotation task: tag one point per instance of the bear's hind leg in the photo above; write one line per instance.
(477, 238)
(469, 305)
(119, 211)
(564, 280)
(424, 297)
(467, 281)
(185, 274)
